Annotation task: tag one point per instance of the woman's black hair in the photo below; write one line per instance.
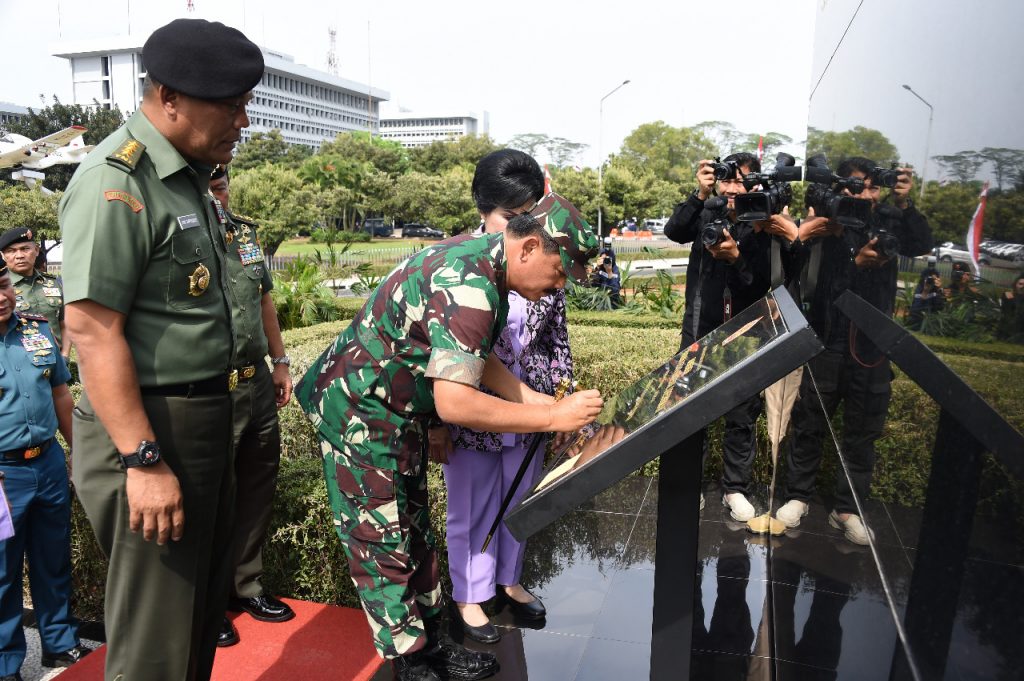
(506, 178)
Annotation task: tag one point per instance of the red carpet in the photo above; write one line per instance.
(322, 643)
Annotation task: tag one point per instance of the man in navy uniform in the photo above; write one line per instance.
(34, 402)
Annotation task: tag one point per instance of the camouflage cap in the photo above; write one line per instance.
(574, 236)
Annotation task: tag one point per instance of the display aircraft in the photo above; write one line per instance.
(61, 147)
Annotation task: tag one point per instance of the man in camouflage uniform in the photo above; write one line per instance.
(36, 291)
(418, 350)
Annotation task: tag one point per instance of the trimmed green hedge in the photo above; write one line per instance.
(304, 559)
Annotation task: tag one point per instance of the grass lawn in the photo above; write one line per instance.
(303, 246)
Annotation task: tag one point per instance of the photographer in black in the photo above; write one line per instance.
(729, 269)
(606, 276)
(853, 248)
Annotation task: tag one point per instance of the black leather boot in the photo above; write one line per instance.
(451, 660)
(413, 668)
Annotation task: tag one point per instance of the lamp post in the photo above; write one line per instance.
(928, 137)
(600, 157)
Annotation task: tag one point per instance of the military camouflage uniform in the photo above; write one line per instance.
(435, 316)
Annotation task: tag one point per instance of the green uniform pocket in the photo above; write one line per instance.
(191, 270)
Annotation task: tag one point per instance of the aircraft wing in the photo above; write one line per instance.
(15, 156)
(58, 139)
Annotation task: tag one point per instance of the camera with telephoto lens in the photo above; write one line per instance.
(775, 193)
(885, 177)
(725, 171)
(714, 230)
(824, 195)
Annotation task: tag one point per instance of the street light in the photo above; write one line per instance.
(600, 157)
(927, 139)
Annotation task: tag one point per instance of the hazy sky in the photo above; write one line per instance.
(963, 58)
(536, 66)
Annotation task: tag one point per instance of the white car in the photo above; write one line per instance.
(655, 226)
(950, 252)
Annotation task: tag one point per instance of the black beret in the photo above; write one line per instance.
(203, 59)
(14, 236)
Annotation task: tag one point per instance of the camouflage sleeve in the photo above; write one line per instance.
(460, 319)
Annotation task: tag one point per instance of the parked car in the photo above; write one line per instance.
(950, 252)
(655, 226)
(377, 227)
(415, 230)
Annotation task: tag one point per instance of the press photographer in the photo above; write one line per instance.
(852, 244)
(729, 269)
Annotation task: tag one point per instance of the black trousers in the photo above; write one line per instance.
(864, 392)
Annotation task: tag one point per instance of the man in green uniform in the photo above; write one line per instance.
(257, 436)
(36, 291)
(148, 309)
(420, 349)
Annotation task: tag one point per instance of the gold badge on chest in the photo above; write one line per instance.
(198, 281)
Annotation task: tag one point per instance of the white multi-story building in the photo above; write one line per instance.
(306, 105)
(418, 130)
(11, 113)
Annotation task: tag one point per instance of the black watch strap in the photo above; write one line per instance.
(147, 454)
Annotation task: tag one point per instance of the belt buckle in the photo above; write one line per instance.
(33, 452)
(249, 371)
(232, 380)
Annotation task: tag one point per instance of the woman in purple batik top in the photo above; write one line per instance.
(479, 466)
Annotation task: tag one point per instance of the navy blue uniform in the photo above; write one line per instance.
(36, 483)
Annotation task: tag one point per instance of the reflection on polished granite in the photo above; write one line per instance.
(804, 606)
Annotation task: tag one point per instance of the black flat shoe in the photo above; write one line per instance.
(228, 636)
(486, 633)
(534, 610)
(65, 658)
(264, 608)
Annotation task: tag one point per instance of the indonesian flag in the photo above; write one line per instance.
(547, 180)
(974, 230)
(760, 148)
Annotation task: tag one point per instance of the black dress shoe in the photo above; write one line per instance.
(264, 608)
(412, 668)
(228, 636)
(533, 611)
(455, 662)
(485, 633)
(66, 658)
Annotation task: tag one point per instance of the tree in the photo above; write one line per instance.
(1004, 216)
(528, 142)
(629, 193)
(342, 181)
(962, 166)
(444, 200)
(269, 147)
(580, 187)
(385, 155)
(99, 123)
(24, 207)
(560, 151)
(671, 154)
(277, 199)
(949, 209)
(1007, 164)
(859, 141)
(439, 156)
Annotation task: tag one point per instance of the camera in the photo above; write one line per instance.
(724, 171)
(714, 231)
(775, 193)
(606, 260)
(825, 196)
(887, 244)
(885, 177)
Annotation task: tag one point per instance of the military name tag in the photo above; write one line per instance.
(250, 253)
(51, 291)
(188, 221)
(37, 342)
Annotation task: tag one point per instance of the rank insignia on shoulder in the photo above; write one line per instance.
(127, 155)
(124, 197)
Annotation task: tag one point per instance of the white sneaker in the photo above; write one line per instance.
(853, 529)
(739, 508)
(790, 513)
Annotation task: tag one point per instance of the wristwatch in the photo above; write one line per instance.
(283, 359)
(147, 454)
